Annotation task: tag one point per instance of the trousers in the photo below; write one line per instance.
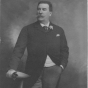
(49, 78)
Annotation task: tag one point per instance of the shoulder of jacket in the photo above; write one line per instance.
(30, 25)
(57, 27)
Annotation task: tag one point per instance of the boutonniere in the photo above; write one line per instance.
(51, 27)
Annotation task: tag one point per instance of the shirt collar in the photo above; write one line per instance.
(45, 25)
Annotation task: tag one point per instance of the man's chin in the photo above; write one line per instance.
(40, 19)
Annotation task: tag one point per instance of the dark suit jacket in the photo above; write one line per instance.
(40, 44)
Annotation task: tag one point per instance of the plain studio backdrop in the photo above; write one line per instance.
(69, 14)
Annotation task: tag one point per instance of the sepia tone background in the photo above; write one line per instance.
(69, 14)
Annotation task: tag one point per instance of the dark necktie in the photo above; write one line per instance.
(45, 28)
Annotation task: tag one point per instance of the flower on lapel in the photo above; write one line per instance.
(51, 27)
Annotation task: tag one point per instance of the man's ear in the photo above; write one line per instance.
(50, 13)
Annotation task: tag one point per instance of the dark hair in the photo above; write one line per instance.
(46, 2)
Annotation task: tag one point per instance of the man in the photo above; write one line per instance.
(47, 49)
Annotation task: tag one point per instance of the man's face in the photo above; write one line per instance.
(43, 12)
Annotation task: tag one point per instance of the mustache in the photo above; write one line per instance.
(38, 16)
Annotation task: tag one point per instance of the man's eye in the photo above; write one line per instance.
(44, 9)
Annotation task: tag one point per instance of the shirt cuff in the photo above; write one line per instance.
(62, 67)
(12, 71)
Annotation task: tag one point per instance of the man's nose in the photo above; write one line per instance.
(40, 11)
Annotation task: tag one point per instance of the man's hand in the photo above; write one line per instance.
(10, 72)
(60, 69)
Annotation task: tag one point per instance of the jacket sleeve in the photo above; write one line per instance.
(19, 49)
(64, 50)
